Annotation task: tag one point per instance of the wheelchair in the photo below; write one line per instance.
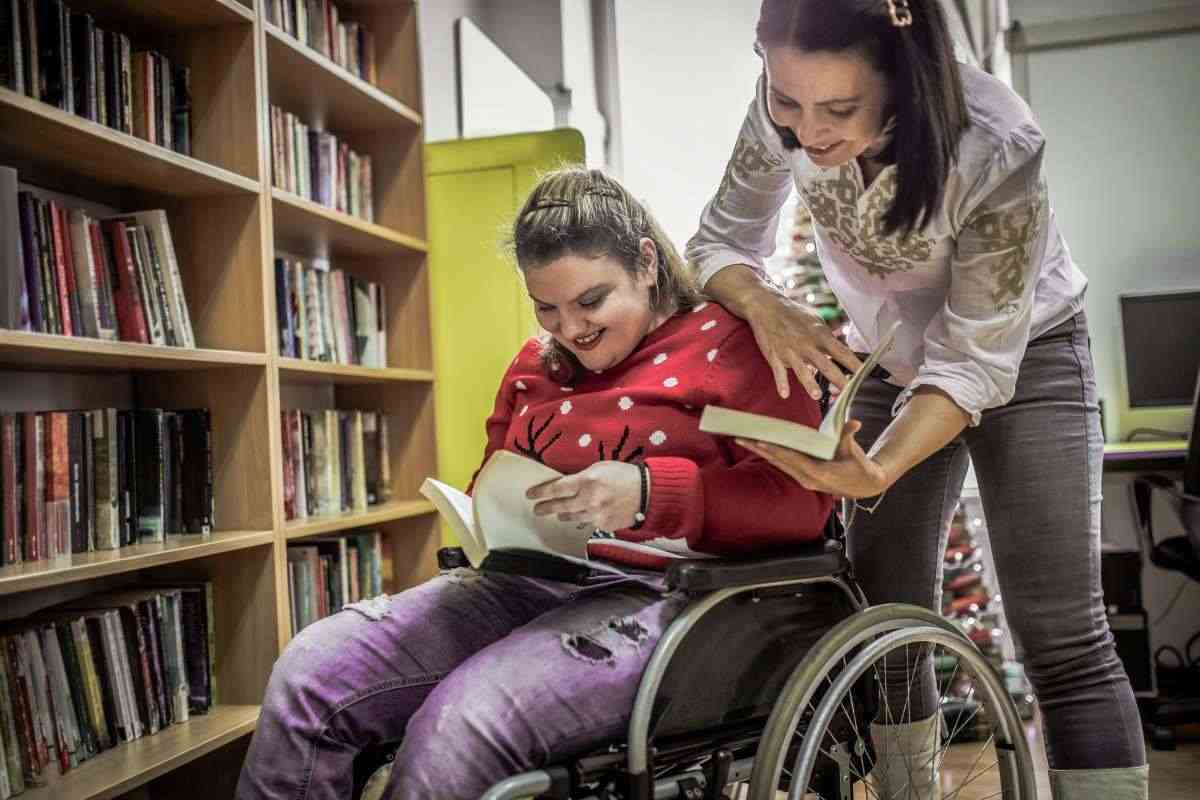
(768, 681)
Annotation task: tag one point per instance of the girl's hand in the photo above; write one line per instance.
(793, 336)
(851, 473)
(604, 496)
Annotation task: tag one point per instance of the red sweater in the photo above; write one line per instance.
(719, 497)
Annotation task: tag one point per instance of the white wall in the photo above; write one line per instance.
(439, 71)
(1122, 121)
(687, 73)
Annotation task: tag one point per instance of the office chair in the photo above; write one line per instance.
(1176, 553)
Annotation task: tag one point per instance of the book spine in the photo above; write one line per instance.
(76, 464)
(105, 682)
(31, 261)
(131, 319)
(62, 279)
(8, 729)
(18, 684)
(106, 278)
(10, 442)
(100, 65)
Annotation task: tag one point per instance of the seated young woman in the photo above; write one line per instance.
(486, 675)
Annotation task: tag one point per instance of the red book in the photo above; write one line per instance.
(35, 492)
(58, 484)
(10, 469)
(289, 482)
(18, 689)
(131, 319)
(64, 276)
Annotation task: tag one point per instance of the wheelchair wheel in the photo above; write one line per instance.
(892, 665)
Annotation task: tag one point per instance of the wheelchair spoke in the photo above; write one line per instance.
(974, 764)
(971, 780)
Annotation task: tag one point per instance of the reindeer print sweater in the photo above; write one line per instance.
(718, 497)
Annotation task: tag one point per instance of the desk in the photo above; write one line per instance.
(1145, 456)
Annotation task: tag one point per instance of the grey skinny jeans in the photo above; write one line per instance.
(1038, 460)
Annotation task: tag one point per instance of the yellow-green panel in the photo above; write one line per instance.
(481, 314)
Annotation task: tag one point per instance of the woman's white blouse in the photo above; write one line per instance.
(987, 273)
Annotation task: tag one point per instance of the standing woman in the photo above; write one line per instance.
(924, 180)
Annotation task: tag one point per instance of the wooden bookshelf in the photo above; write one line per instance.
(117, 771)
(373, 516)
(227, 222)
(302, 225)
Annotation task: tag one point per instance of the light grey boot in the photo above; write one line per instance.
(1123, 783)
(908, 759)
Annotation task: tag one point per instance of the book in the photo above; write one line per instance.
(498, 517)
(821, 442)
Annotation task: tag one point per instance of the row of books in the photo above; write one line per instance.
(68, 272)
(60, 57)
(334, 461)
(94, 673)
(319, 167)
(319, 24)
(326, 574)
(329, 315)
(78, 481)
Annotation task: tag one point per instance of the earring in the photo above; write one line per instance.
(900, 13)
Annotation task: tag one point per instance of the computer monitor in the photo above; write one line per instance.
(1161, 335)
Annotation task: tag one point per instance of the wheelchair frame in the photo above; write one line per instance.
(638, 754)
(709, 762)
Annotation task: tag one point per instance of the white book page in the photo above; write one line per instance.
(835, 420)
(458, 509)
(505, 517)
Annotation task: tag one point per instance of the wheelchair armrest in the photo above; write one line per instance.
(1186, 506)
(816, 560)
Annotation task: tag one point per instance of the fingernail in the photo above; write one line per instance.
(815, 395)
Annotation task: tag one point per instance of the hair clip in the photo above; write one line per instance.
(551, 202)
(603, 191)
(900, 13)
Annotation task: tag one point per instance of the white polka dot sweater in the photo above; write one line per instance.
(717, 496)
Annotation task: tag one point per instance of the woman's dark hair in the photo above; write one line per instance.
(918, 61)
(576, 211)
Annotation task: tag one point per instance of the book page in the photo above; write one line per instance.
(835, 419)
(783, 432)
(505, 518)
(458, 509)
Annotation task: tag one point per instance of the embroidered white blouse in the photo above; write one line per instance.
(987, 273)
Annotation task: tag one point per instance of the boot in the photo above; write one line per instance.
(1121, 783)
(907, 759)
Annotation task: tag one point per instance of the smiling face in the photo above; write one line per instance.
(834, 102)
(593, 306)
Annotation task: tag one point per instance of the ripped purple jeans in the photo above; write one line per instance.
(483, 676)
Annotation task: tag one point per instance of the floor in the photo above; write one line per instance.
(1173, 775)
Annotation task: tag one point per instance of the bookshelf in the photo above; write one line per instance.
(228, 222)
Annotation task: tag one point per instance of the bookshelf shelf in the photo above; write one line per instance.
(305, 82)
(310, 228)
(45, 135)
(131, 765)
(298, 370)
(49, 352)
(376, 515)
(33, 575)
(174, 15)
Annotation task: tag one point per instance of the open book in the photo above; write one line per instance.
(500, 518)
(819, 442)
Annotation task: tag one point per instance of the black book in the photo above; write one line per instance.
(29, 39)
(50, 287)
(155, 76)
(283, 308)
(12, 66)
(100, 69)
(306, 453)
(195, 464)
(68, 63)
(195, 622)
(347, 487)
(150, 616)
(88, 480)
(149, 495)
(32, 259)
(83, 65)
(181, 111)
(106, 677)
(77, 488)
(75, 682)
(53, 53)
(127, 477)
(172, 451)
(112, 78)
